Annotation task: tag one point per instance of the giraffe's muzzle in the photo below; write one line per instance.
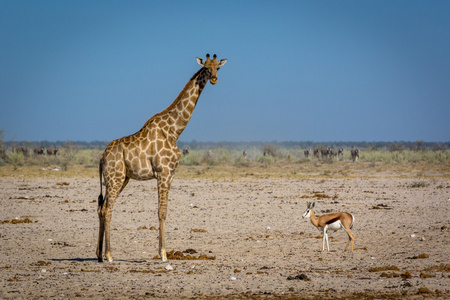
(213, 80)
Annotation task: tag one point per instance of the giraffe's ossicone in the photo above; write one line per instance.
(150, 153)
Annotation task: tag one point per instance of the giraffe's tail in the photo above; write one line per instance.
(100, 197)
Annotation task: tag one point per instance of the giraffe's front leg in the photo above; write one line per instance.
(164, 181)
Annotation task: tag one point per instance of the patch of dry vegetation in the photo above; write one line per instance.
(225, 163)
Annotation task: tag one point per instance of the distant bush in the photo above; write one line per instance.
(272, 150)
(396, 157)
(74, 155)
(192, 159)
(418, 184)
(16, 159)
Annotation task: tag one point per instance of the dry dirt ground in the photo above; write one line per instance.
(249, 226)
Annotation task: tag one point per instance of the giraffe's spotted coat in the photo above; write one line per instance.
(151, 153)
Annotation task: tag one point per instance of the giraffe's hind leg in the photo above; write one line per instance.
(105, 214)
(101, 215)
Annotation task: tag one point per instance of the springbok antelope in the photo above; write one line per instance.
(333, 221)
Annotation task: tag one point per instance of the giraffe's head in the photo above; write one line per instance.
(212, 65)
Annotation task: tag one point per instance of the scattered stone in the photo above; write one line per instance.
(426, 275)
(15, 278)
(168, 268)
(424, 290)
(299, 277)
(232, 278)
(389, 275)
(385, 268)
(381, 206)
(406, 275)
(178, 255)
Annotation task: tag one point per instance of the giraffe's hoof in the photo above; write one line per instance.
(109, 257)
(162, 261)
(163, 255)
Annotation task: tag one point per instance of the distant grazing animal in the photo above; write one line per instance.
(325, 152)
(186, 151)
(340, 152)
(307, 152)
(52, 151)
(150, 153)
(38, 151)
(333, 152)
(244, 154)
(355, 154)
(333, 221)
(22, 150)
(316, 153)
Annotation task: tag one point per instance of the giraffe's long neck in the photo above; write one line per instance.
(174, 119)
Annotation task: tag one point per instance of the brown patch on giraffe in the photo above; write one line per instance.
(165, 153)
(144, 144)
(159, 144)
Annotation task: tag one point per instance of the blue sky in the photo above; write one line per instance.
(296, 70)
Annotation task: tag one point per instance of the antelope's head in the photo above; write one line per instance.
(309, 208)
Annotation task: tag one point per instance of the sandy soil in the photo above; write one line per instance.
(251, 225)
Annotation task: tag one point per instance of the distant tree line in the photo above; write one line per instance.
(196, 145)
(391, 146)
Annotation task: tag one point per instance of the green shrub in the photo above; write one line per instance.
(418, 184)
(16, 159)
(192, 159)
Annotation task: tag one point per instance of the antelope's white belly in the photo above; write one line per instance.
(334, 226)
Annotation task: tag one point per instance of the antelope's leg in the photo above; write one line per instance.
(351, 238)
(324, 239)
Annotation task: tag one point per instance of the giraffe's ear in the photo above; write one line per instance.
(200, 61)
(222, 62)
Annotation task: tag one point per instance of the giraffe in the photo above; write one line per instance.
(150, 153)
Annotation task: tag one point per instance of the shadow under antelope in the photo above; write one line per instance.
(333, 221)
